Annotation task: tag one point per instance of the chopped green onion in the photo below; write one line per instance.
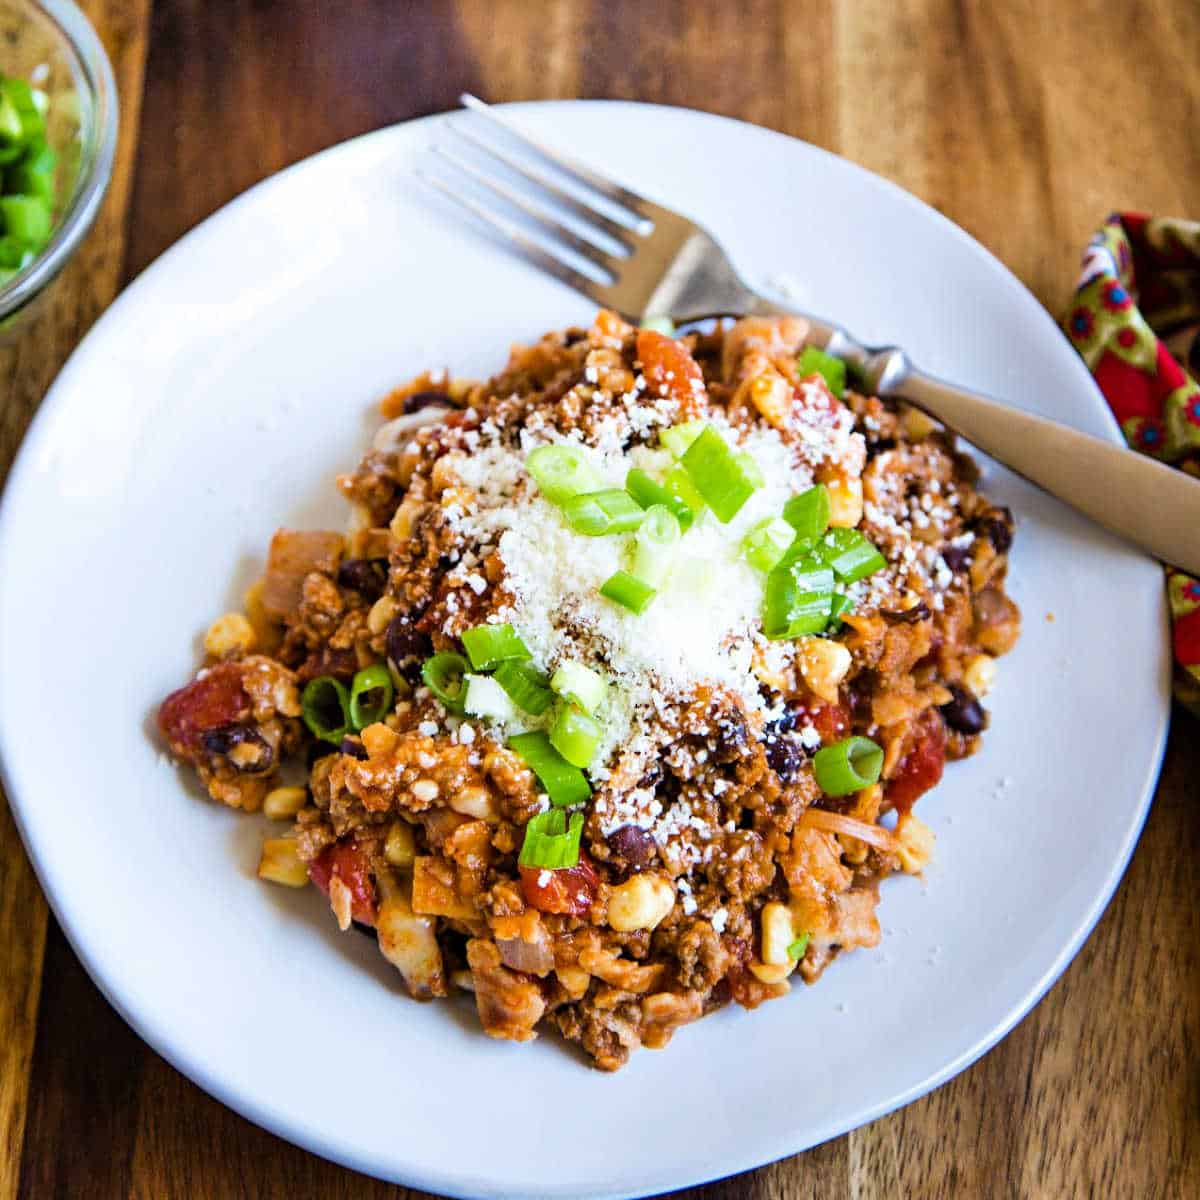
(551, 842)
(444, 674)
(484, 696)
(11, 129)
(26, 218)
(580, 685)
(325, 707)
(808, 513)
(654, 545)
(847, 766)
(525, 685)
(750, 468)
(371, 695)
(648, 493)
(789, 611)
(816, 362)
(797, 948)
(839, 607)
(628, 591)
(32, 174)
(598, 513)
(682, 492)
(562, 471)
(851, 555)
(488, 645)
(14, 254)
(678, 438)
(810, 574)
(19, 98)
(663, 325)
(721, 476)
(566, 785)
(575, 735)
(767, 543)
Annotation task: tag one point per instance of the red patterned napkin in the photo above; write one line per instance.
(1136, 321)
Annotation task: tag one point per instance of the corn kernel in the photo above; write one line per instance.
(474, 801)
(400, 846)
(980, 674)
(379, 739)
(402, 523)
(381, 614)
(283, 803)
(640, 903)
(823, 665)
(775, 924)
(230, 634)
(280, 863)
(574, 980)
(771, 972)
(845, 502)
(914, 843)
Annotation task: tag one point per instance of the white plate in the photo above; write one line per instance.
(215, 401)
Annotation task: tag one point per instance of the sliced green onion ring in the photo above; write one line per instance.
(566, 785)
(489, 645)
(443, 675)
(371, 696)
(580, 685)
(813, 361)
(654, 545)
(767, 542)
(596, 514)
(647, 492)
(850, 554)
(325, 707)
(847, 766)
(551, 841)
(527, 687)
(575, 735)
(562, 471)
(808, 513)
(628, 591)
(726, 479)
(797, 948)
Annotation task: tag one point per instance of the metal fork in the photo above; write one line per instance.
(661, 263)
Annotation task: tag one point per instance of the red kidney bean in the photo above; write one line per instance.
(407, 646)
(956, 558)
(368, 576)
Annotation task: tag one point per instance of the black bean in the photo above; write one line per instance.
(634, 844)
(223, 740)
(367, 576)
(956, 557)
(997, 527)
(963, 712)
(906, 616)
(784, 723)
(354, 748)
(784, 756)
(732, 737)
(407, 646)
(420, 400)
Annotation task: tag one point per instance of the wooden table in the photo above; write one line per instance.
(1025, 123)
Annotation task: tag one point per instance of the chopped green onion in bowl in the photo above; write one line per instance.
(551, 840)
(813, 361)
(725, 478)
(489, 645)
(371, 696)
(575, 735)
(609, 511)
(565, 783)
(580, 685)
(562, 471)
(847, 766)
(628, 591)
(525, 685)
(654, 545)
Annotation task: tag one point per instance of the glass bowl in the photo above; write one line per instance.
(51, 44)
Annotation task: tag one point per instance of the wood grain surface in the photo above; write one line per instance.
(1025, 122)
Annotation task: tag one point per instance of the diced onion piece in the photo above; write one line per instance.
(831, 822)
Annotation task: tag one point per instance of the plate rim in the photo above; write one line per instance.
(156, 1034)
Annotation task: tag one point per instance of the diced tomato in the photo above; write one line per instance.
(569, 890)
(213, 699)
(922, 766)
(671, 370)
(832, 721)
(346, 861)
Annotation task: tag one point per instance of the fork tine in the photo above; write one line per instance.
(619, 233)
(571, 166)
(528, 247)
(543, 217)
